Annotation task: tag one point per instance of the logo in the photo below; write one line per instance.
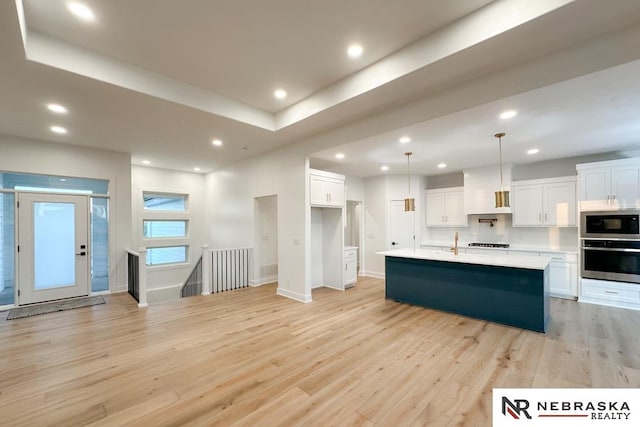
(515, 408)
(566, 407)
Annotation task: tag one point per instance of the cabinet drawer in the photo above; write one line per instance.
(613, 292)
(351, 253)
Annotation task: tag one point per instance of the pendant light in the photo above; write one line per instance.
(409, 202)
(502, 196)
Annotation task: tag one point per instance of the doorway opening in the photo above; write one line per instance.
(353, 229)
(265, 266)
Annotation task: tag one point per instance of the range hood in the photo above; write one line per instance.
(480, 186)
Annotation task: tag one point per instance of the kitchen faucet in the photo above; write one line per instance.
(454, 249)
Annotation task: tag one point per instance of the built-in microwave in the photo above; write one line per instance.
(622, 224)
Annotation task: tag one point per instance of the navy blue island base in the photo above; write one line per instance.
(508, 295)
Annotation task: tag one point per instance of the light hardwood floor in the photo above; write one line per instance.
(252, 358)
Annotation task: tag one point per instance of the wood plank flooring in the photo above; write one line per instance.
(250, 358)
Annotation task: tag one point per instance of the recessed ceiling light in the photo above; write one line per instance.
(280, 93)
(404, 139)
(196, 169)
(57, 108)
(217, 142)
(81, 11)
(384, 168)
(340, 156)
(354, 51)
(533, 151)
(442, 165)
(146, 162)
(508, 114)
(58, 129)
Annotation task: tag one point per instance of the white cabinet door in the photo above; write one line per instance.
(435, 209)
(560, 204)
(527, 205)
(454, 215)
(445, 207)
(318, 190)
(624, 187)
(350, 266)
(335, 190)
(595, 188)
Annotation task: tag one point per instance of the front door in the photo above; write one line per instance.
(53, 254)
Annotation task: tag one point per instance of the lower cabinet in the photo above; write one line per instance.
(350, 267)
(563, 274)
(615, 294)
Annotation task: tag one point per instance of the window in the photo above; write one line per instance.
(166, 255)
(164, 228)
(165, 202)
(7, 248)
(53, 183)
(99, 244)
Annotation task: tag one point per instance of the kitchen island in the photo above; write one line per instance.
(513, 290)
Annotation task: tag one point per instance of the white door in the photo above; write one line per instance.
(53, 247)
(401, 226)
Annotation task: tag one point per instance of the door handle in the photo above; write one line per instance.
(83, 253)
(394, 243)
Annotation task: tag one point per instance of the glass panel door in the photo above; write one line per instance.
(53, 247)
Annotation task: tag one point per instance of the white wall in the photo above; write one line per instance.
(355, 187)
(46, 158)
(164, 282)
(230, 194)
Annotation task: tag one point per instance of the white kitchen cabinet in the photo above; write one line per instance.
(326, 189)
(547, 202)
(608, 185)
(615, 294)
(445, 207)
(563, 274)
(350, 266)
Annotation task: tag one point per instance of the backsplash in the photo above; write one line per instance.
(503, 232)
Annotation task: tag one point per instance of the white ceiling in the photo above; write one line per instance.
(159, 79)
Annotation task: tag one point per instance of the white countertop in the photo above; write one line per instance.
(523, 248)
(348, 248)
(514, 261)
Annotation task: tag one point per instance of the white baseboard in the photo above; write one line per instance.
(294, 295)
(262, 281)
(373, 274)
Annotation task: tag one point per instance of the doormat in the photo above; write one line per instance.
(51, 307)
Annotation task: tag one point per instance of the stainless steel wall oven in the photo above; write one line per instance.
(611, 245)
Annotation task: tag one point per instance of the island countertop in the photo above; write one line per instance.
(514, 261)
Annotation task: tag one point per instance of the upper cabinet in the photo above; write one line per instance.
(445, 207)
(609, 185)
(544, 202)
(326, 189)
